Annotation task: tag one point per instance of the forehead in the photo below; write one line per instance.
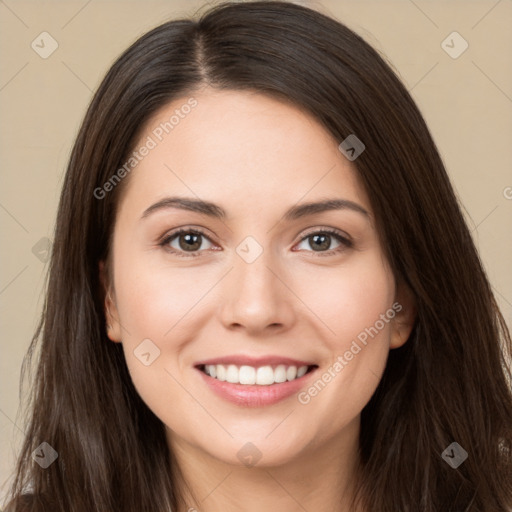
(241, 148)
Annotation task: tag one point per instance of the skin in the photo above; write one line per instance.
(255, 157)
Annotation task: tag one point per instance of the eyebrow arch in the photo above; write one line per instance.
(215, 211)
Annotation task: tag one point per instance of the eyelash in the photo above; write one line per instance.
(345, 242)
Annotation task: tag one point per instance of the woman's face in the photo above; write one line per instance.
(261, 291)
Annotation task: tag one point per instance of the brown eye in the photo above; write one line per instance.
(189, 241)
(321, 242)
(185, 241)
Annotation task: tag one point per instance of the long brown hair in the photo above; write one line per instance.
(449, 383)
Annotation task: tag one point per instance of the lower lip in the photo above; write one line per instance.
(254, 395)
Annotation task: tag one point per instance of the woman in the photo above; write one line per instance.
(262, 293)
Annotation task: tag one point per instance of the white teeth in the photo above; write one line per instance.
(262, 376)
(302, 371)
(247, 375)
(291, 373)
(220, 370)
(265, 376)
(280, 373)
(232, 374)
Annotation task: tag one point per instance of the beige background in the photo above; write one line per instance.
(467, 102)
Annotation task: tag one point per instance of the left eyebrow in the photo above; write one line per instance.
(216, 211)
(304, 209)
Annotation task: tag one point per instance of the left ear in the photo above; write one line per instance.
(113, 326)
(405, 315)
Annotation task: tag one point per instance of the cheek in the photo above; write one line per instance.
(356, 305)
(153, 300)
(349, 299)
(155, 304)
(162, 303)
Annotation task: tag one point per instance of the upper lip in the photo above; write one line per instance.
(240, 360)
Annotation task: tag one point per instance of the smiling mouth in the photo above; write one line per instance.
(250, 375)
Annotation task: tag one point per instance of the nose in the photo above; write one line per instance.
(258, 297)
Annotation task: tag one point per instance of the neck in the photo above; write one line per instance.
(321, 477)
